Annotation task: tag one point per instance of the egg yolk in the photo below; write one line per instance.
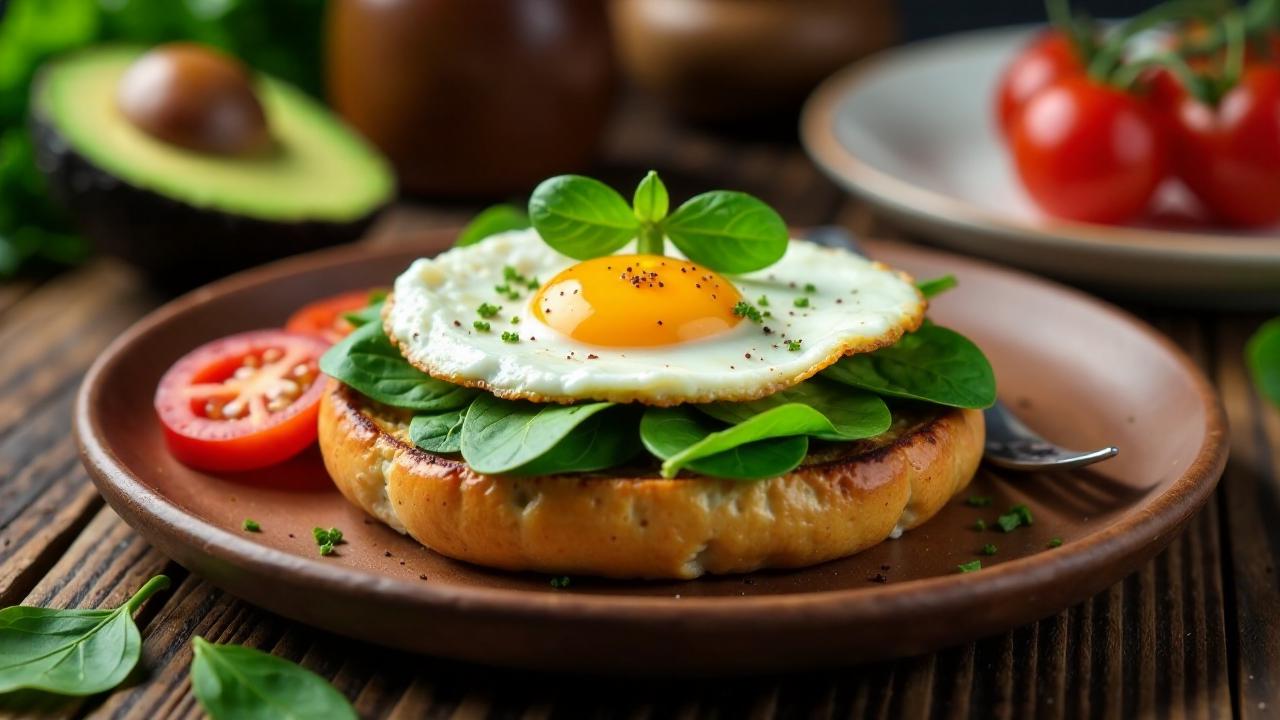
(637, 301)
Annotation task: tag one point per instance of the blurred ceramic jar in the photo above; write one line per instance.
(721, 59)
(473, 97)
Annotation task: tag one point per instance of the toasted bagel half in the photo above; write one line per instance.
(634, 524)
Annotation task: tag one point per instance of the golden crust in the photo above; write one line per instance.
(645, 526)
(862, 345)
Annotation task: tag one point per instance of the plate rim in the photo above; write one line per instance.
(1127, 538)
(821, 143)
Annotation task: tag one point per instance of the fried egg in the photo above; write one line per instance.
(514, 317)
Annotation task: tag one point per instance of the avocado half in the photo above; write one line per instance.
(185, 217)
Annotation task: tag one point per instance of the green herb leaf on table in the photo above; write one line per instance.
(933, 364)
(1263, 355)
(581, 217)
(854, 414)
(233, 681)
(525, 438)
(727, 231)
(71, 652)
(491, 221)
(936, 286)
(666, 432)
(651, 202)
(438, 433)
(368, 362)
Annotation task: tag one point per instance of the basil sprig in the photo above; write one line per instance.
(727, 231)
(368, 362)
(491, 221)
(233, 681)
(71, 652)
(936, 286)
(685, 438)
(524, 438)
(932, 364)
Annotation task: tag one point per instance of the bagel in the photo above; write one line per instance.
(632, 523)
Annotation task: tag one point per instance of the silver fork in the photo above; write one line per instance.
(1010, 443)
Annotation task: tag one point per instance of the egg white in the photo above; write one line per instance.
(857, 306)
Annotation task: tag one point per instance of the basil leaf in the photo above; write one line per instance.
(937, 286)
(1263, 354)
(852, 414)
(518, 437)
(369, 314)
(666, 432)
(581, 217)
(71, 652)
(933, 364)
(233, 681)
(491, 221)
(439, 433)
(651, 201)
(368, 362)
(729, 232)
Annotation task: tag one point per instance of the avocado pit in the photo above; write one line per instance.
(196, 98)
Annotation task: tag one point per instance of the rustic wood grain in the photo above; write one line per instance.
(1194, 634)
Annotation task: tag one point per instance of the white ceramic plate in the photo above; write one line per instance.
(912, 131)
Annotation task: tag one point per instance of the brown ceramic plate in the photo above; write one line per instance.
(1082, 372)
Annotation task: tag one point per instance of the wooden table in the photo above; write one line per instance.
(1195, 633)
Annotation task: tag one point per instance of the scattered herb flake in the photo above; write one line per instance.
(510, 337)
(560, 583)
(763, 301)
(481, 325)
(251, 525)
(326, 548)
(794, 345)
(515, 319)
(988, 549)
(810, 288)
(1055, 542)
(487, 311)
(509, 274)
(801, 302)
(980, 525)
(971, 566)
(746, 310)
(320, 534)
(335, 535)
(978, 501)
(1018, 516)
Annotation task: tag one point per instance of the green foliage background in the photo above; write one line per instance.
(280, 37)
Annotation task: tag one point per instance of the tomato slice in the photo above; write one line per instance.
(324, 318)
(244, 401)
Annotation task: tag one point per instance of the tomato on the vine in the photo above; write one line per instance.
(244, 401)
(1049, 58)
(1229, 156)
(326, 318)
(1090, 152)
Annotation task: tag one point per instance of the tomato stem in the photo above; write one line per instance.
(1109, 59)
(1061, 17)
(1233, 25)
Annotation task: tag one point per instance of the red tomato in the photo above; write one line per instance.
(242, 402)
(1046, 60)
(324, 318)
(1230, 156)
(1089, 152)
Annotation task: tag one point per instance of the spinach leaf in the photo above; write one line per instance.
(233, 681)
(853, 414)
(71, 652)
(524, 438)
(937, 286)
(651, 202)
(667, 432)
(368, 362)
(1263, 354)
(581, 217)
(729, 232)
(371, 313)
(491, 221)
(933, 364)
(439, 433)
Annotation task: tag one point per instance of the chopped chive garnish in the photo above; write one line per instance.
(329, 537)
(1055, 542)
(801, 302)
(560, 582)
(980, 525)
(794, 345)
(971, 566)
(515, 319)
(510, 337)
(978, 501)
(988, 549)
(481, 325)
(810, 288)
(251, 525)
(1017, 516)
(326, 548)
(335, 535)
(510, 273)
(763, 301)
(746, 310)
(487, 311)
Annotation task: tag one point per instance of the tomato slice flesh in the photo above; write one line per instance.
(242, 402)
(325, 318)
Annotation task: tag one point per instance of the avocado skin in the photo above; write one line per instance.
(176, 245)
